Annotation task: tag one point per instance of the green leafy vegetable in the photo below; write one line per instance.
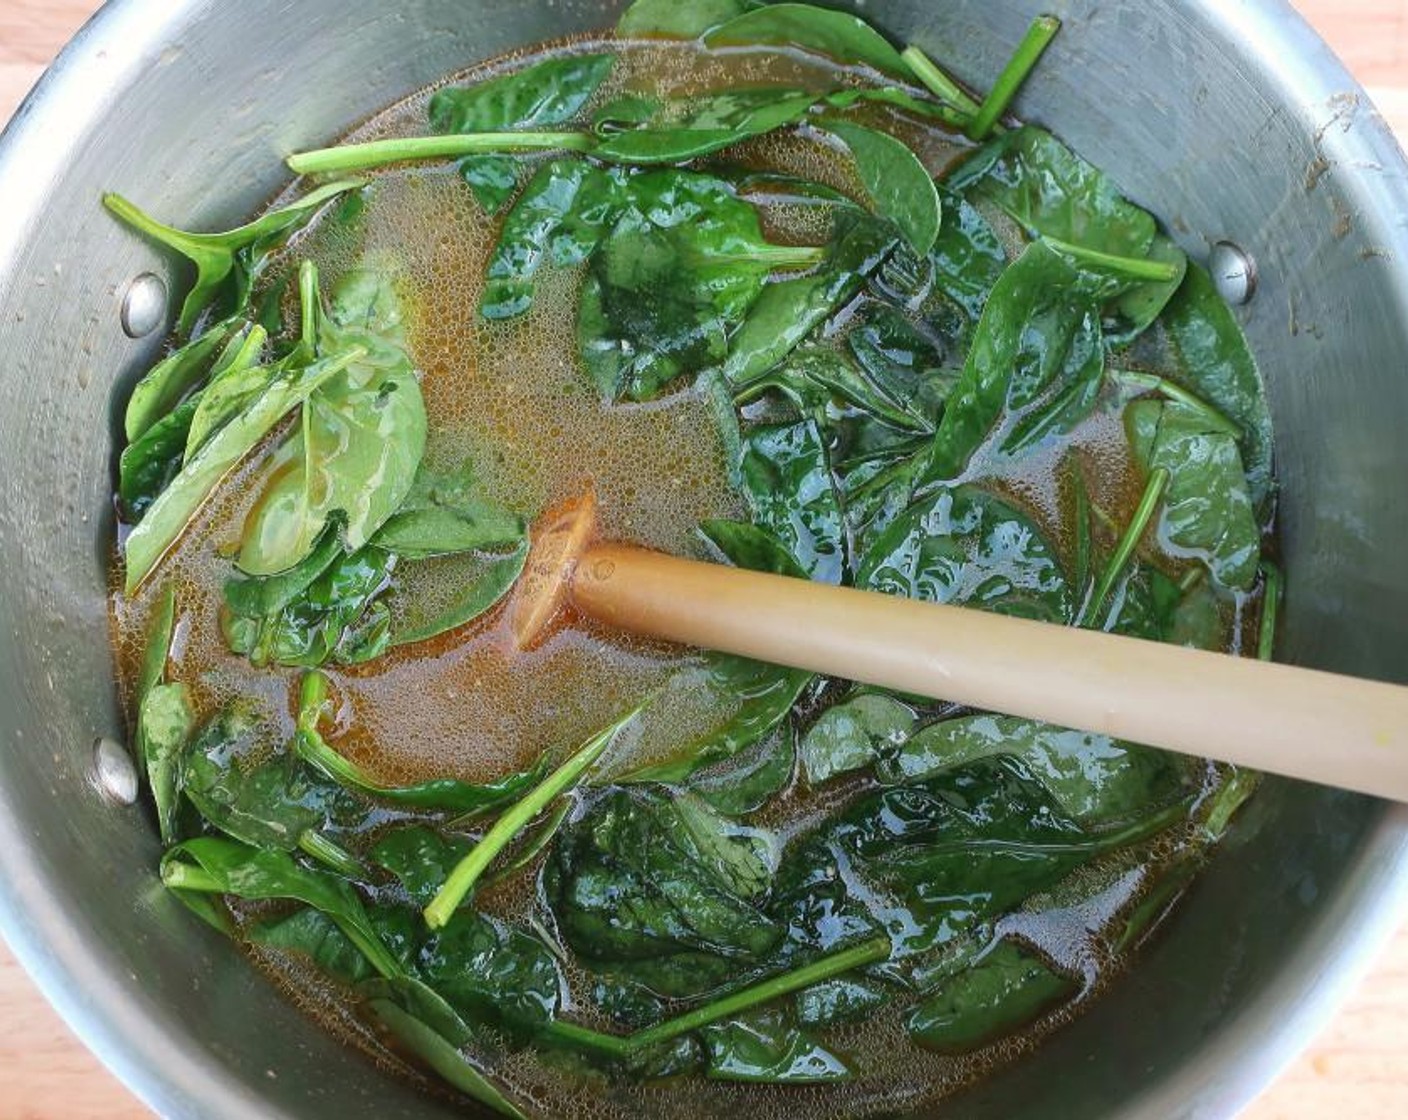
(162, 387)
(764, 1048)
(546, 93)
(1093, 778)
(210, 865)
(965, 546)
(788, 483)
(446, 794)
(466, 873)
(853, 735)
(357, 450)
(1007, 988)
(840, 36)
(219, 255)
(897, 183)
(1208, 510)
(673, 20)
(164, 723)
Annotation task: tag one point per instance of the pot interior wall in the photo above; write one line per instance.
(189, 108)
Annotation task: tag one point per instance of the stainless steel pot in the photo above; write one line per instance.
(1228, 118)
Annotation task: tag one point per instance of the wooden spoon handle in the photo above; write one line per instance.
(1335, 730)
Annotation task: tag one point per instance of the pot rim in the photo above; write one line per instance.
(173, 1076)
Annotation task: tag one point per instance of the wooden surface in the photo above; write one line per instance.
(1356, 1070)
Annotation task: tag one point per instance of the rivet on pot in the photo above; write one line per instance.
(113, 771)
(1233, 273)
(144, 305)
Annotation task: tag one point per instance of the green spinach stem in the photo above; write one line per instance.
(1119, 560)
(1019, 66)
(184, 877)
(467, 872)
(1174, 392)
(936, 81)
(868, 952)
(1270, 608)
(583, 1038)
(1133, 267)
(380, 153)
(315, 844)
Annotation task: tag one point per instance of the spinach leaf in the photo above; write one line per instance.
(169, 513)
(1038, 332)
(447, 794)
(440, 1053)
(216, 255)
(840, 36)
(788, 311)
(338, 616)
(751, 546)
(165, 719)
(549, 92)
(930, 861)
(252, 597)
(442, 515)
(855, 734)
(489, 580)
(491, 973)
(631, 882)
(210, 865)
(744, 785)
(1093, 778)
(682, 265)
(562, 211)
(968, 257)
(1006, 989)
(842, 1000)
(1054, 193)
(790, 490)
(669, 19)
(813, 377)
(1208, 508)
(704, 124)
(766, 1049)
(420, 857)
(162, 387)
(360, 443)
(965, 546)
(1215, 362)
(273, 802)
(317, 937)
(899, 187)
(148, 464)
(235, 380)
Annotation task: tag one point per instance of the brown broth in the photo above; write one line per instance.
(508, 398)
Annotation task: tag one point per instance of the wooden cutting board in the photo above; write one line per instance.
(1358, 1067)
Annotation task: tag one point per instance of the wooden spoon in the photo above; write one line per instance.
(1321, 727)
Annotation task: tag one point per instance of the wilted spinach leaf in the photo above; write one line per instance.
(1208, 507)
(549, 92)
(899, 187)
(639, 880)
(840, 36)
(1038, 343)
(855, 734)
(361, 440)
(790, 489)
(1006, 989)
(1093, 778)
(673, 20)
(965, 546)
(165, 719)
(765, 1049)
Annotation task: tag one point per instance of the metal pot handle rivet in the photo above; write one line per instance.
(113, 771)
(144, 305)
(1233, 273)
